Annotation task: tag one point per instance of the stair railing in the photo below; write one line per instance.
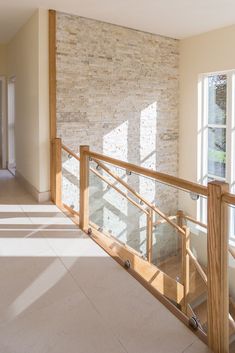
(217, 194)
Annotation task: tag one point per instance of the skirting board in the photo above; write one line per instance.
(38, 196)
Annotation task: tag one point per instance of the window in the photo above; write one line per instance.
(216, 134)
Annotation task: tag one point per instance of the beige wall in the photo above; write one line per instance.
(27, 58)
(3, 59)
(209, 52)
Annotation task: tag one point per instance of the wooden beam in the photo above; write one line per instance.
(52, 96)
(191, 219)
(229, 198)
(149, 234)
(165, 178)
(217, 273)
(84, 189)
(58, 171)
(185, 267)
(197, 265)
(69, 151)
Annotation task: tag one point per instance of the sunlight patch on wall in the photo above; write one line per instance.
(148, 135)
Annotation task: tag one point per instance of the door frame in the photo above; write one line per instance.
(4, 122)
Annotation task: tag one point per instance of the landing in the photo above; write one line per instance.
(60, 292)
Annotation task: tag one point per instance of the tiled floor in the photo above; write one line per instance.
(61, 293)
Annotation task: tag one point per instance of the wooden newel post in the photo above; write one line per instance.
(57, 172)
(217, 269)
(150, 235)
(84, 189)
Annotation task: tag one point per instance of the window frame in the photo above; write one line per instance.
(202, 143)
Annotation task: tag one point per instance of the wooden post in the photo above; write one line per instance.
(185, 267)
(217, 269)
(52, 98)
(84, 189)
(57, 171)
(149, 243)
(180, 216)
(182, 247)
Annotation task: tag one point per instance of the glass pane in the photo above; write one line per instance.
(198, 288)
(216, 151)
(70, 181)
(217, 97)
(231, 228)
(167, 250)
(114, 214)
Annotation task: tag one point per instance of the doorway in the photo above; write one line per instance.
(11, 126)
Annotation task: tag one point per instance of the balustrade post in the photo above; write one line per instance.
(57, 172)
(84, 189)
(150, 235)
(185, 267)
(217, 269)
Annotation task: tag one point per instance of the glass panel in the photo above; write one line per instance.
(216, 151)
(70, 181)
(231, 227)
(114, 214)
(217, 98)
(198, 288)
(167, 250)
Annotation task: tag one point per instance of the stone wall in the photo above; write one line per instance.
(117, 91)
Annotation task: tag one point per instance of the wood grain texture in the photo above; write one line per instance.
(228, 198)
(84, 188)
(135, 193)
(149, 242)
(217, 253)
(185, 267)
(165, 178)
(58, 171)
(52, 96)
(101, 240)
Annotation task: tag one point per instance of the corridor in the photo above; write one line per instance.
(60, 292)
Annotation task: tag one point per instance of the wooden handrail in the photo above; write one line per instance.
(228, 198)
(197, 265)
(163, 221)
(195, 221)
(69, 151)
(165, 178)
(135, 193)
(118, 190)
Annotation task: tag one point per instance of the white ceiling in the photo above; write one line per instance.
(172, 18)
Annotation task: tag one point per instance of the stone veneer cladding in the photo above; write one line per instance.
(117, 91)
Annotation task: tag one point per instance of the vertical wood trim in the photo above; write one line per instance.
(149, 235)
(57, 147)
(52, 96)
(185, 267)
(84, 189)
(217, 252)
